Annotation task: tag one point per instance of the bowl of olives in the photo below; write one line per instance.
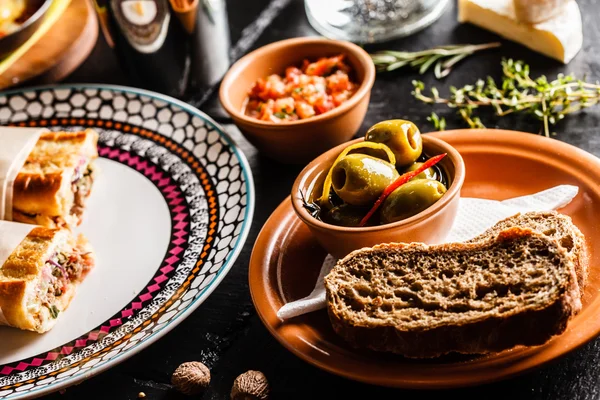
(393, 185)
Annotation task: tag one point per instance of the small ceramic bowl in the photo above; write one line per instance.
(429, 226)
(297, 141)
(36, 9)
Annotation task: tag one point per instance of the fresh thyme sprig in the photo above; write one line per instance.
(438, 123)
(443, 58)
(548, 101)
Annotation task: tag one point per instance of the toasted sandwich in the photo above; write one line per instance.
(52, 187)
(39, 278)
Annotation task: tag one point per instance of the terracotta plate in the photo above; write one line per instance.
(499, 164)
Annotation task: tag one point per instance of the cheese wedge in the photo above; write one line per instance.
(560, 37)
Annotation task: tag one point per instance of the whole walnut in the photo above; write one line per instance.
(191, 378)
(251, 385)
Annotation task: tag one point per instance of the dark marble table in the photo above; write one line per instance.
(225, 332)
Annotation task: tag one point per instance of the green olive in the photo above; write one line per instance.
(429, 173)
(402, 137)
(410, 199)
(345, 215)
(358, 179)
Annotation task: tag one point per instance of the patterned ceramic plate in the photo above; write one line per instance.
(167, 216)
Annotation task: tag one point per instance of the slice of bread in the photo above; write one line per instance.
(555, 225)
(518, 288)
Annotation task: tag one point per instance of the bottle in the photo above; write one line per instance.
(151, 43)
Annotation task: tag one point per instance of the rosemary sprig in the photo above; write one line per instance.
(548, 101)
(442, 58)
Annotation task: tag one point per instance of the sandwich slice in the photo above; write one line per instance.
(39, 278)
(557, 226)
(516, 288)
(52, 187)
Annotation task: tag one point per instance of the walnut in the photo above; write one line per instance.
(191, 378)
(251, 385)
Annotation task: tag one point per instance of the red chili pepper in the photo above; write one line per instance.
(401, 180)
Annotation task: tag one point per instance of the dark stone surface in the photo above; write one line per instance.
(225, 333)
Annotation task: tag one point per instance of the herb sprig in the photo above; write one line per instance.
(442, 58)
(548, 101)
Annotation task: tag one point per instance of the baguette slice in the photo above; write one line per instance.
(40, 278)
(52, 187)
(555, 225)
(518, 288)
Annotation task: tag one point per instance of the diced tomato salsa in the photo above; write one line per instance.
(314, 89)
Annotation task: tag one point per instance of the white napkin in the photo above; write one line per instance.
(17, 143)
(473, 218)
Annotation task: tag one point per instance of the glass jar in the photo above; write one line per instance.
(370, 21)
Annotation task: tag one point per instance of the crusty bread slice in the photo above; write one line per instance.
(24, 278)
(44, 191)
(518, 288)
(551, 223)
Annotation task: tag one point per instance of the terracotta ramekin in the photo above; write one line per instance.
(297, 141)
(429, 226)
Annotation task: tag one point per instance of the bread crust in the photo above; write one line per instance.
(493, 332)
(492, 335)
(47, 221)
(43, 187)
(31, 254)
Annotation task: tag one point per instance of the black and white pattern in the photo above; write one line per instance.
(117, 114)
